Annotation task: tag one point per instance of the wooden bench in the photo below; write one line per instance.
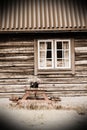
(35, 92)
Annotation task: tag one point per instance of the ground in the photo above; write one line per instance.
(71, 115)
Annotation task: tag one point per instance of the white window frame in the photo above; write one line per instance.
(45, 53)
(54, 54)
(60, 40)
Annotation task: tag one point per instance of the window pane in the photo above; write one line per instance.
(65, 45)
(42, 45)
(59, 45)
(62, 54)
(66, 62)
(42, 54)
(59, 62)
(48, 62)
(59, 54)
(49, 54)
(49, 45)
(66, 54)
(42, 62)
(45, 54)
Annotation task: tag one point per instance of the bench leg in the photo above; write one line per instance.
(25, 96)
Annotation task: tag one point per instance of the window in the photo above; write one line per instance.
(54, 54)
(62, 56)
(45, 54)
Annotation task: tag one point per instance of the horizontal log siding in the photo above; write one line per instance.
(65, 83)
(15, 72)
(16, 64)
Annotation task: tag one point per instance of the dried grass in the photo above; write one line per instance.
(35, 105)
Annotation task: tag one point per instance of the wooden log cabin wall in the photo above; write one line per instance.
(20, 32)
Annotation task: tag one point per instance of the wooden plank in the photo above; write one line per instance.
(35, 58)
(81, 68)
(79, 72)
(83, 62)
(16, 70)
(8, 95)
(72, 56)
(14, 86)
(63, 85)
(81, 40)
(14, 82)
(81, 49)
(16, 50)
(57, 94)
(16, 64)
(12, 75)
(15, 54)
(65, 82)
(55, 76)
(48, 90)
(83, 55)
(54, 72)
(17, 43)
(17, 57)
(64, 79)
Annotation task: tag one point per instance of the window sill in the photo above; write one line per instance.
(55, 71)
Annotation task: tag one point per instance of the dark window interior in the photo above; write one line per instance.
(59, 49)
(59, 45)
(59, 54)
(48, 45)
(49, 54)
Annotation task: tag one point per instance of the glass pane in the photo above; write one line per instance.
(65, 45)
(48, 62)
(49, 45)
(66, 63)
(63, 62)
(42, 62)
(66, 54)
(59, 54)
(42, 54)
(42, 45)
(59, 62)
(59, 45)
(49, 54)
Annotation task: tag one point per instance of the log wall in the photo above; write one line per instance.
(17, 65)
(67, 84)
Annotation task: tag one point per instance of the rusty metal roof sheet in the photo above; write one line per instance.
(37, 15)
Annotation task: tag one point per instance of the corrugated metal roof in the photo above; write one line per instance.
(28, 15)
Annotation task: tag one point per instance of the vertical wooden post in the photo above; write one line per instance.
(35, 57)
(72, 56)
